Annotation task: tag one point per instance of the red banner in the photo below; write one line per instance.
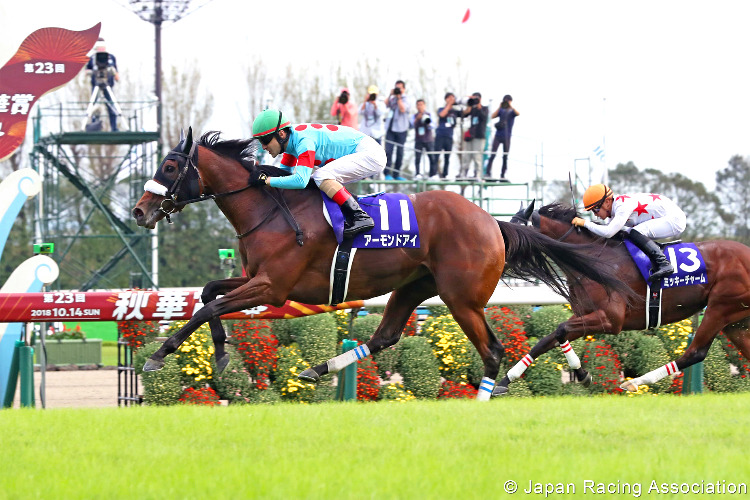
(47, 59)
(136, 305)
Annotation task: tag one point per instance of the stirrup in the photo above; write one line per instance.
(359, 226)
(661, 273)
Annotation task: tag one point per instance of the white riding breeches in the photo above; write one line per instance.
(367, 160)
(670, 226)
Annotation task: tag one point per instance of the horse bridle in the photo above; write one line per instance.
(188, 170)
(526, 221)
(187, 165)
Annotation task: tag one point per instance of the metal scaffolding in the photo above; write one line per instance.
(91, 181)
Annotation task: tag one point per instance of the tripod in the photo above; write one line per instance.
(102, 88)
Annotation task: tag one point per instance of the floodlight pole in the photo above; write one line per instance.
(157, 20)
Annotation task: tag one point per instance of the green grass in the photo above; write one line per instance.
(109, 353)
(415, 450)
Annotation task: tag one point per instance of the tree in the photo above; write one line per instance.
(733, 187)
(703, 208)
(183, 104)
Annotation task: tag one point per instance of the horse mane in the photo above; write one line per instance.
(233, 148)
(558, 211)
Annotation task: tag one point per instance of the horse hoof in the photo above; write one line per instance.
(629, 386)
(153, 365)
(222, 362)
(585, 380)
(309, 375)
(499, 390)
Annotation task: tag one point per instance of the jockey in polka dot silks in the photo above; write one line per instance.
(644, 216)
(332, 155)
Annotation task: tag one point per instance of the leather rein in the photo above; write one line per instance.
(187, 163)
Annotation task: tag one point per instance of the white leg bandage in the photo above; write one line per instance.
(485, 389)
(347, 358)
(570, 355)
(516, 372)
(656, 375)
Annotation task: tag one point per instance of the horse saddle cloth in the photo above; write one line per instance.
(686, 259)
(395, 221)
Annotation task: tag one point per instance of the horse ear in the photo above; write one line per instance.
(188, 141)
(530, 209)
(182, 134)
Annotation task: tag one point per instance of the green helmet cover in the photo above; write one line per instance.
(269, 121)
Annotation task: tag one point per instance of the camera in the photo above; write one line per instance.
(397, 91)
(469, 101)
(372, 97)
(344, 98)
(426, 120)
(103, 69)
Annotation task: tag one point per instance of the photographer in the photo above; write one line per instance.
(371, 115)
(424, 140)
(103, 69)
(475, 138)
(399, 105)
(447, 117)
(504, 128)
(344, 110)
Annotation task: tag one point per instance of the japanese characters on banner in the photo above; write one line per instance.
(135, 305)
(46, 60)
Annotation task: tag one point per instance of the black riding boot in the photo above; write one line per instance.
(356, 219)
(660, 266)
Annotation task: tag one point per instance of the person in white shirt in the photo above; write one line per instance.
(643, 216)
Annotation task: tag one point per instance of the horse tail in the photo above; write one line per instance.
(531, 255)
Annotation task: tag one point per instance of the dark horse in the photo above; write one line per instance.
(463, 253)
(725, 295)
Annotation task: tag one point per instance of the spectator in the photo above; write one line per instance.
(447, 116)
(345, 110)
(424, 139)
(371, 115)
(103, 70)
(504, 127)
(399, 105)
(475, 138)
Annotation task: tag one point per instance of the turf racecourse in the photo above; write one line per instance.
(415, 450)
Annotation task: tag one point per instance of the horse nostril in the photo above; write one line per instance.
(137, 213)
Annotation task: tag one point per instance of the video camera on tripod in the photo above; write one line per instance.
(104, 71)
(103, 79)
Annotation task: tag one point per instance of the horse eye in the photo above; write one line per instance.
(168, 169)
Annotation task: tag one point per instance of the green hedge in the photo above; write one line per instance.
(364, 327)
(163, 387)
(544, 320)
(418, 367)
(316, 337)
(285, 381)
(543, 377)
(234, 383)
(717, 375)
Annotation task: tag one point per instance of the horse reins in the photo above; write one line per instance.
(170, 203)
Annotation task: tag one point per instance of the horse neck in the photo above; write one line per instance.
(556, 229)
(219, 173)
(223, 175)
(246, 209)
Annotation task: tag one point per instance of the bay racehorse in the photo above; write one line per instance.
(725, 295)
(462, 255)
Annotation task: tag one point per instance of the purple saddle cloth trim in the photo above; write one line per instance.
(395, 221)
(690, 269)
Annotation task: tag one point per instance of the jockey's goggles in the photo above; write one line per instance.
(266, 139)
(598, 206)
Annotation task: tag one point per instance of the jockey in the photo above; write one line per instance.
(332, 154)
(644, 216)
